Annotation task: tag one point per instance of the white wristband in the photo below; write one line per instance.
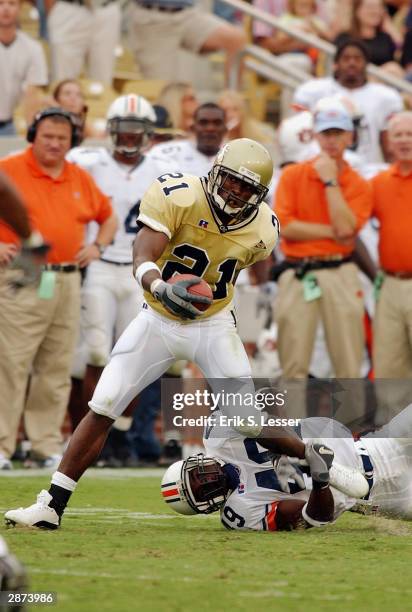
(146, 266)
(312, 522)
(155, 284)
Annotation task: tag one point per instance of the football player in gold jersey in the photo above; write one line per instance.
(209, 227)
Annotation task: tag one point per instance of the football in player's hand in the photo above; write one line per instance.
(201, 288)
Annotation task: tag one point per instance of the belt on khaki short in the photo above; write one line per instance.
(117, 263)
(307, 264)
(400, 274)
(61, 267)
(160, 7)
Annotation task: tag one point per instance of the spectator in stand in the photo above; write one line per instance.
(23, 68)
(159, 28)
(239, 122)
(83, 30)
(69, 96)
(392, 353)
(180, 101)
(406, 57)
(321, 204)
(370, 24)
(39, 325)
(300, 15)
(376, 103)
(332, 12)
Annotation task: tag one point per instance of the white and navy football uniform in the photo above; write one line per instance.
(111, 298)
(384, 456)
(182, 156)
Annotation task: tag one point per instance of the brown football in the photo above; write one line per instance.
(201, 288)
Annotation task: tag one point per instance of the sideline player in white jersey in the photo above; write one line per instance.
(211, 227)
(194, 156)
(252, 491)
(110, 296)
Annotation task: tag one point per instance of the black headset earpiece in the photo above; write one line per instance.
(53, 111)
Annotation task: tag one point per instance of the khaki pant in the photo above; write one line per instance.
(392, 347)
(340, 309)
(37, 338)
(156, 36)
(79, 35)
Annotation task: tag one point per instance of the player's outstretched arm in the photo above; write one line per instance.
(147, 249)
(316, 512)
(12, 209)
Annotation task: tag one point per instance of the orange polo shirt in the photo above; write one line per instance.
(392, 206)
(301, 196)
(58, 208)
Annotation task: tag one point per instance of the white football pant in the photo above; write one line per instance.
(152, 342)
(111, 299)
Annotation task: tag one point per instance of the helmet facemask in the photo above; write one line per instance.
(140, 130)
(205, 483)
(222, 196)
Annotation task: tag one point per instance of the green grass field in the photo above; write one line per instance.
(121, 548)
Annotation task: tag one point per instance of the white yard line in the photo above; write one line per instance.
(104, 473)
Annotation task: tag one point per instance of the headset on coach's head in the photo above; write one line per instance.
(53, 111)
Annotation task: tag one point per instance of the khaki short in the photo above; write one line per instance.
(156, 36)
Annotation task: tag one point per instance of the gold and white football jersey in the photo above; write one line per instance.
(199, 243)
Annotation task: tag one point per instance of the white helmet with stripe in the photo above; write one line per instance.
(130, 115)
(296, 139)
(197, 485)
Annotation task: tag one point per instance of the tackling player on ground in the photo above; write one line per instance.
(254, 490)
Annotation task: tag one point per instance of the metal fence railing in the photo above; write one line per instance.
(311, 40)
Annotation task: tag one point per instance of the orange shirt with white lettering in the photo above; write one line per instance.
(301, 196)
(59, 208)
(392, 206)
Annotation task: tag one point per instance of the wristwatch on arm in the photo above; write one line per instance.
(331, 183)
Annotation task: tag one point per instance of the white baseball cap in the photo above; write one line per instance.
(332, 118)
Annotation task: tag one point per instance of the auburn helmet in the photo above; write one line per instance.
(198, 484)
(130, 123)
(296, 139)
(250, 164)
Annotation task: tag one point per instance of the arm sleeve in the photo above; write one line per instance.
(391, 104)
(159, 212)
(37, 72)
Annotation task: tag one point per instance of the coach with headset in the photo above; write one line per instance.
(39, 324)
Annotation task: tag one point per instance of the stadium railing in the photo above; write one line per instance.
(311, 40)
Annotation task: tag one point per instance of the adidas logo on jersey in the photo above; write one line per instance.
(260, 245)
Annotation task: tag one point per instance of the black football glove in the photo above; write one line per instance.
(29, 261)
(178, 300)
(12, 576)
(319, 458)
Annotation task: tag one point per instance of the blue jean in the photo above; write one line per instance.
(8, 130)
(141, 435)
